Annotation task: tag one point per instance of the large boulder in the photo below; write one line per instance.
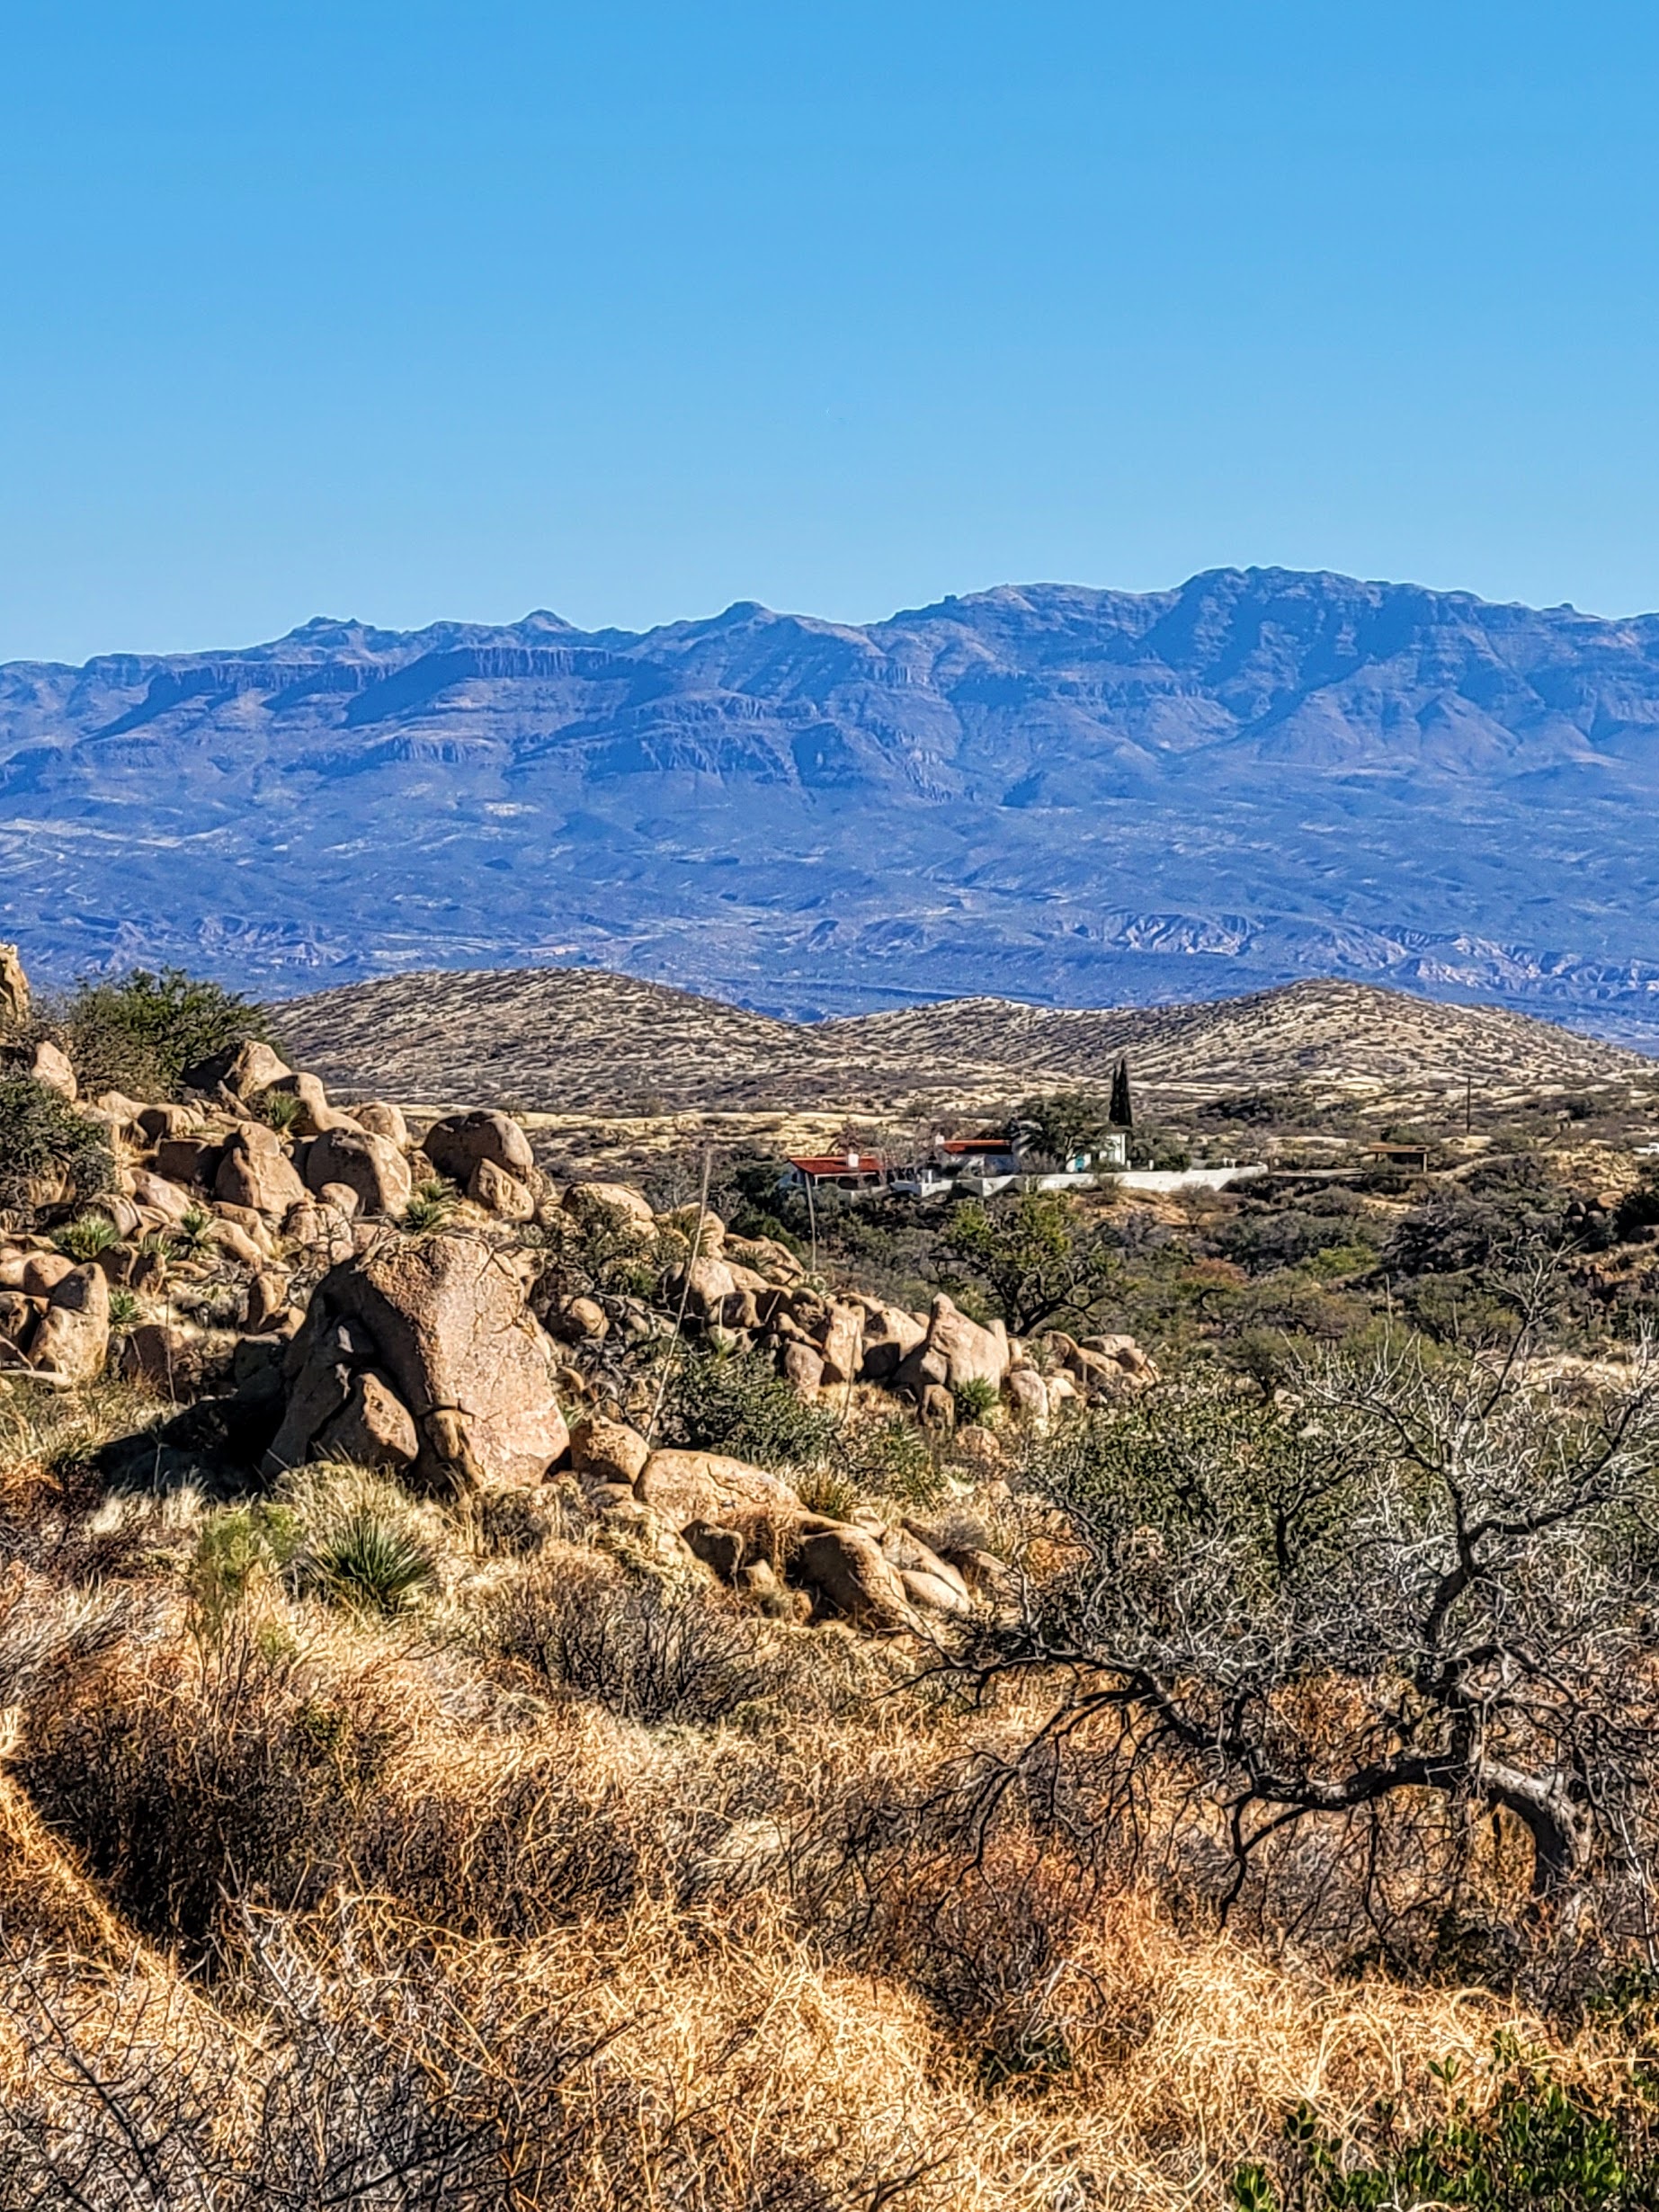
(955, 1351)
(52, 1066)
(445, 1321)
(616, 1197)
(848, 1570)
(382, 1120)
(313, 1113)
(14, 989)
(374, 1428)
(246, 1071)
(890, 1336)
(841, 1343)
(370, 1166)
(73, 1335)
(500, 1193)
(255, 1172)
(706, 1486)
(602, 1451)
(457, 1142)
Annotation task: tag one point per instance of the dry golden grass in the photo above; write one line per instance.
(754, 1963)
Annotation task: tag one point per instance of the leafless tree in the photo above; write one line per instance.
(1419, 1572)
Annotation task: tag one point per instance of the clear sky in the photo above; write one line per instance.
(630, 310)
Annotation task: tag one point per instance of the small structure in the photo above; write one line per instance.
(835, 1171)
(1413, 1157)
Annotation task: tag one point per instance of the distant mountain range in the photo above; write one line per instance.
(1048, 793)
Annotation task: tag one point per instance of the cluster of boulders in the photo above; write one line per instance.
(756, 1293)
(752, 1530)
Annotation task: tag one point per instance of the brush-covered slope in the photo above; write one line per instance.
(1046, 792)
(559, 1039)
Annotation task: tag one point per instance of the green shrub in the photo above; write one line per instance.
(123, 1309)
(280, 1110)
(431, 1205)
(733, 1401)
(1536, 2144)
(975, 1397)
(140, 1033)
(830, 1491)
(42, 1137)
(237, 1547)
(892, 1459)
(371, 1565)
(642, 1651)
(193, 1228)
(85, 1238)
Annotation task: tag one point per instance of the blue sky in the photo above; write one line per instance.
(631, 310)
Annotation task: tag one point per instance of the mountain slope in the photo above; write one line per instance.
(1047, 792)
(569, 1040)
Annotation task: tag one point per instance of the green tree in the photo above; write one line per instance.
(1122, 1108)
(1037, 1255)
(140, 1033)
(1060, 1123)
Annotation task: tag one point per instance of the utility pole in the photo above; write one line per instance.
(1469, 1104)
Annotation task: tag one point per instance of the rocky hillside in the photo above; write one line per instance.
(315, 1287)
(564, 1039)
(1038, 792)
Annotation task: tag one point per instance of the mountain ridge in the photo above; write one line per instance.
(1045, 791)
(552, 1040)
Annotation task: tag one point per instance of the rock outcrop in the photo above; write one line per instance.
(445, 1321)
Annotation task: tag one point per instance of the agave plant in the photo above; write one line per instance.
(84, 1238)
(431, 1205)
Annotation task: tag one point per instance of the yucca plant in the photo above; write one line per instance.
(123, 1309)
(86, 1237)
(280, 1110)
(368, 1563)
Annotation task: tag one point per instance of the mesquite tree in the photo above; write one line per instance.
(1414, 1573)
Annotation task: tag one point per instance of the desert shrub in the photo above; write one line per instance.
(892, 1459)
(280, 1110)
(371, 1564)
(1536, 2143)
(430, 1206)
(734, 1402)
(643, 1653)
(1639, 1208)
(832, 1490)
(86, 1236)
(1261, 1238)
(192, 1779)
(361, 1542)
(1036, 1257)
(124, 1308)
(238, 1548)
(44, 1141)
(1408, 1533)
(598, 1250)
(140, 1033)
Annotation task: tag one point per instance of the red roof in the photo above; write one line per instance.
(838, 1163)
(997, 1144)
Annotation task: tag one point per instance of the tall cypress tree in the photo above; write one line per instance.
(1122, 1112)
